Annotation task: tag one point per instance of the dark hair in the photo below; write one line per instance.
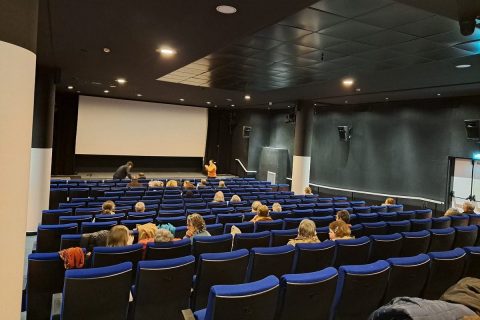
(129, 163)
(343, 215)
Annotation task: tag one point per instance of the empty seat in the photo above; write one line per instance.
(141, 215)
(415, 243)
(281, 237)
(420, 224)
(407, 276)
(387, 216)
(229, 218)
(395, 208)
(52, 216)
(215, 229)
(89, 227)
(460, 220)
(472, 265)
(226, 210)
(446, 268)
(268, 225)
(70, 241)
(255, 300)
(275, 261)
(221, 243)
(357, 230)
(291, 223)
(441, 222)
(97, 293)
(322, 221)
(245, 227)
(378, 209)
(48, 236)
(406, 215)
(363, 284)
(250, 240)
(168, 250)
(323, 233)
(302, 213)
(210, 219)
(217, 268)
(75, 219)
(361, 209)
(423, 214)
(108, 256)
(307, 294)
(352, 251)
(385, 246)
(310, 257)
(150, 299)
(441, 239)
(465, 236)
(117, 217)
(318, 212)
(474, 219)
(56, 197)
(398, 226)
(132, 224)
(367, 217)
(376, 228)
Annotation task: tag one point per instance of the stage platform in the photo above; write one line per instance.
(148, 175)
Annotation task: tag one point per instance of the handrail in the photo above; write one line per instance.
(375, 194)
(243, 167)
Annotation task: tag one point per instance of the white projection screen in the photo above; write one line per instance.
(135, 128)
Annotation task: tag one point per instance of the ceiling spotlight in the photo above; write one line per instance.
(78, 91)
(232, 105)
(166, 51)
(463, 66)
(215, 106)
(106, 50)
(70, 87)
(358, 89)
(208, 102)
(226, 9)
(387, 98)
(181, 99)
(106, 91)
(228, 99)
(113, 86)
(346, 101)
(270, 103)
(121, 81)
(348, 82)
(247, 97)
(439, 94)
(139, 94)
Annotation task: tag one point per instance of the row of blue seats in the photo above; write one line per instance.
(219, 277)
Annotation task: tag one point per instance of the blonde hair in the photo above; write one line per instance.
(188, 185)
(255, 205)
(219, 197)
(172, 183)
(276, 207)
(163, 235)
(155, 183)
(308, 190)
(146, 231)
(140, 207)
(468, 206)
(307, 229)
(389, 201)
(221, 184)
(263, 211)
(195, 220)
(108, 207)
(203, 182)
(118, 236)
(340, 229)
(235, 198)
(452, 212)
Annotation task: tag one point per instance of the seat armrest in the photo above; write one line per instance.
(188, 314)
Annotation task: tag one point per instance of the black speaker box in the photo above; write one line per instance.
(472, 127)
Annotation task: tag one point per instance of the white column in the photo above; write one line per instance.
(17, 81)
(300, 174)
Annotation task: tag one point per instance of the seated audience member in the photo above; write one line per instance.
(389, 202)
(163, 235)
(262, 214)
(276, 207)
(172, 183)
(339, 230)
(196, 227)
(343, 215)
(119, 236)
(155, 184)
(134, 183)
(202, 184)
(308, 190)
(140, 207)
(452, 212)
(188, 194)
(468, 207)
(187, 185)
(235, 198)
(255, 205)
(146, 233)
(141, 175)
(108, 207)
(221, 184)
(307, 233)
(94, 239)
(219, 197)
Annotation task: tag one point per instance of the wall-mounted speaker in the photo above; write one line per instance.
(472, 127)
(344, 133)
(246, 132)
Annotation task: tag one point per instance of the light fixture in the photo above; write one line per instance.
(164, 51)
(208, 102)
(121, 81)
(139, 94)
(439, 94)
(215, 106)
(289, 106)
(348, 82)
(270, 103)
(358, 89)
(226, 9)
(232, 105)
(106, 91)
(78, 91)
(247, 97)
(181, 99)
(228, 99)
(70, 87)
(113, 86)
(387, 98)
(269, 108)
(463, 66)
(346, 101)
(106, 50)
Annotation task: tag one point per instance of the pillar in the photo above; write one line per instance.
(41, 151)
(18, 36)
(302, 147)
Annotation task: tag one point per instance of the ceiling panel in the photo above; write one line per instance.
(350, 30)
(348, 8)
(282, 33)
(312, 20)
(318, 41)
(417, 45)
(378, 54)
(445, 53)
(454, 37)
(323, 55)
(350, 47)
(386, 38)
(394, 15)
(292, 49)
(429, 26)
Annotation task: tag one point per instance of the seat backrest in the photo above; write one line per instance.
(352, 251)
(281, 237)
(441, 222)
(307, 294)
(48, 236)
(378, 208)
(97, 293)
(406, 215)
(174, 274)
(460, 220)
(446, 268)
(385, 246)
(266, 261)
(367, 217)
(374, 228)
(250, 240)
(245, 227)
(256, 300)
(52, 216)
(291, 223)
(387, 216)
(407, 276)
(268, 225)
(364, 284)
(322, 221)
(474, 219)
(441, 239)
(310, 257)
(212, 244)
(175, 221)
(420, 224)
(218, 268)
(465, 236)
(229, 218)
(107, 256)
(415, 243)
(398, 226)
(472, 267)
(215, 229)
(168, 250)
(423, 214)
(89, 227)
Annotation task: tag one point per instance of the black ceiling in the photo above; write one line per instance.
(274, 50)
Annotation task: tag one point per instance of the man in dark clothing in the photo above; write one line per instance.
(123, 171)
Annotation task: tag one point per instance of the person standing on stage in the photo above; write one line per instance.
(211, 169)
(123, 171)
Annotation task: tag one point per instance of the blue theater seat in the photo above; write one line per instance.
(268, 225)
(385, 246)
(281, 237)
(398, 226)
(374, 228)
(387, 216)
(48, 236)
(310, 257)
(441, 239)
(322, 221)
(52, 216)
(215, 229)
(291, 223)
(465, 236)
(406, 215)
(212, 244)
(395, 208)
(441, 222)
(132, 224)
(352, 251)
(460, 220)
(415, 243)
(423, 214)
(141, 215)
(367, 217)
(229, 218)
(108, 256)
(168, 250)
(361, 209)
(250, 240)
(378, 209)
(89, 227)
(275, 261)
(175, 221)
(420, 224)
(474, 219)
(245, 227)
(472, 266)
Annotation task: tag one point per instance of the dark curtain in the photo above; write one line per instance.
(219, 139)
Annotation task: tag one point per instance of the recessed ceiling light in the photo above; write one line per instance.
(121, 80)
(232, 105)
(139, 94)
(348, 82)
(247, 97)
(463, 66)
(215, 106)
(270, 103)
(289, 106)
(96, 83)
(181, 99)
(439, 94)
(78, 91)
(106, 91)
(70, 87)
(106, 50)
(358, 89)
(164, 51)
(226, 9)
(113, 86)
(387, 98)
(228, 99)
(208, 102)
(346, 101)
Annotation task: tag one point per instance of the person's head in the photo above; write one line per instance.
(141, 175)
(108, 207)
(134, 178)
(255, 205)
(210, 162)
(468, 207)
(155, 183)
(338, 229)
(219, 197)
(389, 201)
(146, 231)
(169, 227)
(139, 207)
(196, 222)
(276, 207)
(163, 235)
(262, 211)
(189, 194)
(203, 182)
(343, 215)
(118, 236)
(130, 164)
(221, 184)
(307, 229)
(235, 198)
(452, 212)
(172, 183)
(308, 190)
